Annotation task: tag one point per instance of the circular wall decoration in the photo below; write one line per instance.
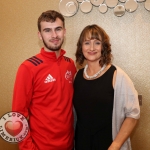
(111, 3)
(70, 7)
(86, 6)
(103, 8)
(119, 10)
(122, 1)
(147, 5)
(131, 5)
(140, 0)
(97, 2)
(80, 1)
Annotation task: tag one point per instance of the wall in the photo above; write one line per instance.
(130, 44)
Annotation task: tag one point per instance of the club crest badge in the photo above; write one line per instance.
(68, 76)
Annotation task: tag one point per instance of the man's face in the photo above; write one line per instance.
(52, 34)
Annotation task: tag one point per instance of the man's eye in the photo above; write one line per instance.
(47, 30)
(58, 29)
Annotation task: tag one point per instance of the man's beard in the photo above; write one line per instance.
(53, 48)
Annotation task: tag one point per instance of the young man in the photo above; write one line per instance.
(44, 88)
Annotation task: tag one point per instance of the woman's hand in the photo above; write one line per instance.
(124, 133)
(114, 146)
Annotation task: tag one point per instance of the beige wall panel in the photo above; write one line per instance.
(130, 41)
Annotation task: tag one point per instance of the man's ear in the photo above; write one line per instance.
(64, 32)
(39, 35)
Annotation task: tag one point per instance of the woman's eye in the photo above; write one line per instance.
(98, 43)
(86, 43)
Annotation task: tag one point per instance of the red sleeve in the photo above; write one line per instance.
(74, 68)
(22, 90)
(21, 100)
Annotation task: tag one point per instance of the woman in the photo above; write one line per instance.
(105, 100)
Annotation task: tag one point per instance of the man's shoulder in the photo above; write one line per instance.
(68, 59)
(33, 61)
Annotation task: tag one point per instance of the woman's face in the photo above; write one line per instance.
(91, 49)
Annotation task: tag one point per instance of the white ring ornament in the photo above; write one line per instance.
(103, 8)
(97, 2)
(86, 6)
(68, 7)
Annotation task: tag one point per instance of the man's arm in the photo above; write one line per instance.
(21, 100)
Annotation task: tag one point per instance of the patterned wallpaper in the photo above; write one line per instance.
(129, 36)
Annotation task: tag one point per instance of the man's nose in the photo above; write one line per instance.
(54, 34)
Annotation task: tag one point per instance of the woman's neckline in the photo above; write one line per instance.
(102, 74)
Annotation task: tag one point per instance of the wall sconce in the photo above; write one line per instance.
(70, 7)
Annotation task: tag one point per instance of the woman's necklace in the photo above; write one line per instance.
(95, 75)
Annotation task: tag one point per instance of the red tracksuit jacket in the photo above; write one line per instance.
(43, 92)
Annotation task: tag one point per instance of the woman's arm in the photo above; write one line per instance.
(125, 131)
(127, 126)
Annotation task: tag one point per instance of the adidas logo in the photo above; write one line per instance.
(49, 79)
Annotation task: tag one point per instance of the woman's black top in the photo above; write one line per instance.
(93, 102)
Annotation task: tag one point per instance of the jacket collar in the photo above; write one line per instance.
(51, 55)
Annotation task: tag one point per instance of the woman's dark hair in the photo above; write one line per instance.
(94, 32)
